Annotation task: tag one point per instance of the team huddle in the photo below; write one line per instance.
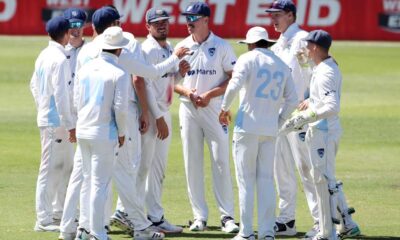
(110, 97)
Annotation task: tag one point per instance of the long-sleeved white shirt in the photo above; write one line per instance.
(325, 91)
(289, 43)
(101, 99)
(163, 88)
(265, 86)
(49, 87)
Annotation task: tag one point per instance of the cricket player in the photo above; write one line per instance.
(77, 18)
(321, 111)
(291, 148)
(156, 141)
(49, 86)
(265, 84)
(200, 94)
(101, 103)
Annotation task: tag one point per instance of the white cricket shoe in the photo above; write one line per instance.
(238, 237)
(313, 231)
(66, 236)
(166, 227)
(285, 229)
(266, 238)
(50, 227)
(148, 234)
(229, 225)
(120, 220)
(197, 225)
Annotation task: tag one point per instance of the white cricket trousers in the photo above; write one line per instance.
(254, 164)
(290, 150)
(97, 164)
(126, 175)
(76, 189)
(322, 149)
(198, 125)
(152, 169)
(55, 166)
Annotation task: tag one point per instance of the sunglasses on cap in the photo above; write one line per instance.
(76, 24)
(193, 18)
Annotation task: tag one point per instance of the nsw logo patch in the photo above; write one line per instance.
(302, 136)
(321, 152)
(211, 51)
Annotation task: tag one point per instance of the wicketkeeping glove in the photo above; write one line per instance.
(297, 121)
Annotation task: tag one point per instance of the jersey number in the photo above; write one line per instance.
(275, 78)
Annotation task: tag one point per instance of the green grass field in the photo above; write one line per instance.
(368, 160)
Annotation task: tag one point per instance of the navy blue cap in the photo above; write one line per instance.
(75, 15)
(197, 8)
(57, 25)
(154, 15)
(282, 5)
(320, 37)
(105, 16)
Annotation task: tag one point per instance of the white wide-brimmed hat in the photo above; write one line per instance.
(256, 34)
(112, 38)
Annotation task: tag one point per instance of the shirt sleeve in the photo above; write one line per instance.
(121, 103)
(290, 98)
(239, 76)
(229, 58)
(329, 97)
(34, 86)
(61, 75)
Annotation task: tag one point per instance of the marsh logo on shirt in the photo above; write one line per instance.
(321, 152)
(211, 51)
(202, 72)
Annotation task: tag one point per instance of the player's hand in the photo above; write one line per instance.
(121, 141)
(162, 128)
(225, 117)
(303, 105)
(298, 120)
(72, 135)
(184, 67)
(181, 52)
(203, 100)
(144, 122)
(192, 95)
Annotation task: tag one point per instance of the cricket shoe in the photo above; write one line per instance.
(148, 234)
(229, 225)
(82, 234)
(285, 229)
(166, 227)
(239, 237)
(95, 238)
(349, 232)
(66, 236)
(197, 225)
(313, 231)
(120, 220)
(50, 227)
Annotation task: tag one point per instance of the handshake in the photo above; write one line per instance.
(297, 121)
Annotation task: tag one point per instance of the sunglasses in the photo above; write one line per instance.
(76, 24)
(193, 18)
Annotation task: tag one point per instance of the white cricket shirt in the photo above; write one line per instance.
(325, 91)
(164, 87)
(209, 63)
(265, 84)
(289, 43)
(49, 86)
(101, 99)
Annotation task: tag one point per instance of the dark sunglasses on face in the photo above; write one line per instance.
(76, 24)
(193, 18)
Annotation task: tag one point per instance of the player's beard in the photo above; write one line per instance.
(161, 37)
